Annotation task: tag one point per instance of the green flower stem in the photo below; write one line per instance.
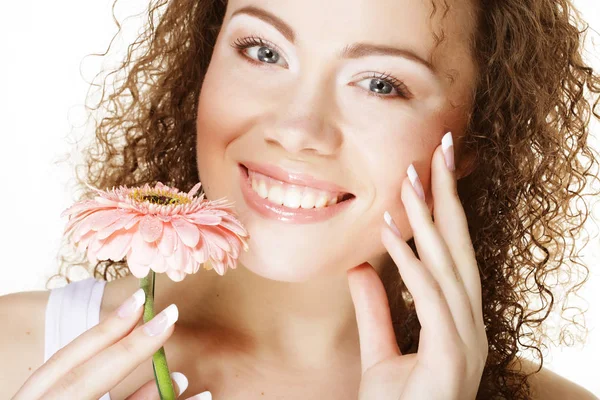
(159, 359)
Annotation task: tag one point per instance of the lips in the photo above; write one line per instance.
(294, 178)
(282, 213)
(270, 209)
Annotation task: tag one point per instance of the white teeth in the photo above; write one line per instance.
(322, 200)
(308, 201)
(292, 198)
(262, 189)
(276, 194)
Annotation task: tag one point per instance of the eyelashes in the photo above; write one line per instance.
(242, 44)
(395, 83)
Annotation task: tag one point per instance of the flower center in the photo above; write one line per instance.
(156, 199)
(159, 197)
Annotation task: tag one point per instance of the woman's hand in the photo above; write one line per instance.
(446, 288)
(98, 359)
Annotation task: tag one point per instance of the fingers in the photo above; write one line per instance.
(201, 396)
(149, 391)
(85, 346)
(376, 333)
(430, 303)
(435, 254)
(452, 224)
(113, 364)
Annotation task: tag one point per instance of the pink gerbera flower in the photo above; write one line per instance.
(157, 228)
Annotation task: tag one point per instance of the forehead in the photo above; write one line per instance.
(330, 25)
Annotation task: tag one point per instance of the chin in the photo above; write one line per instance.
(289, 251)
(287, 262)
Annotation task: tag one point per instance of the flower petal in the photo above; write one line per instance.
(196, 268)
(219, 267)
(80, 206)
(134, 221)
(83, 243)
(231, 262)
(81, 229)
(104, 218)
(195, 189)
(95, 244)
(138, 270)
(191, 267)
(166, 246)
(188, 232)
(181, 255)
(151, 228)
(97, 221)
(205, 219)
(170, 261)
(159, 264)
(142, 252)
(125, 219)
(234, 226)
(200, 252)
(216, 236)
(216, 253)
(116, 246)
(75, 220)
(175, 275)
(235, 244)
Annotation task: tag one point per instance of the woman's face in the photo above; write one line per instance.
(340, 90)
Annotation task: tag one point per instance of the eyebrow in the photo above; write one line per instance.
(356, 50)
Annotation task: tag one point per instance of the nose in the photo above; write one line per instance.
(304, 121)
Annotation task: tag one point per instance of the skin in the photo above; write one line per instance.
(297, 323)
(315, 115)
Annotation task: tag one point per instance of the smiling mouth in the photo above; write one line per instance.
(292, 195)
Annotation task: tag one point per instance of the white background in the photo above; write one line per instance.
(43, 83)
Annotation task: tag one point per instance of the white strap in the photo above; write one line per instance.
(72, 310)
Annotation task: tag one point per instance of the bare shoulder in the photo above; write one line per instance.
(22, 337)
(548, 385)
(23, 317)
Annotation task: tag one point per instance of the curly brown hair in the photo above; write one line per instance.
(528, 129)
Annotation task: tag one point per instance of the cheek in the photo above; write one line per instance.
(229, 103)
(219, 109)
(389, 145)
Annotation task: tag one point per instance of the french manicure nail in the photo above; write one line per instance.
(388, 219)
(448, 149)
(132, 304)
(161, 322)
(202, 396)
(415, 181)
(181, 381)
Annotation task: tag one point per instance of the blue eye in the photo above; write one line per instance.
(257, 48)
(260, 51)
(385, 86)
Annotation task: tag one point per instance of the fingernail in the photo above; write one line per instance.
(202, 396)
(180, 380)
(415, 181)
(388, 219)
(161, 322)
(448, 149)
(132, 304)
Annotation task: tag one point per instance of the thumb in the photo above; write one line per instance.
(375, 330)
(149, 390)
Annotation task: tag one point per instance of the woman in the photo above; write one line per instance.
(352, 99)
